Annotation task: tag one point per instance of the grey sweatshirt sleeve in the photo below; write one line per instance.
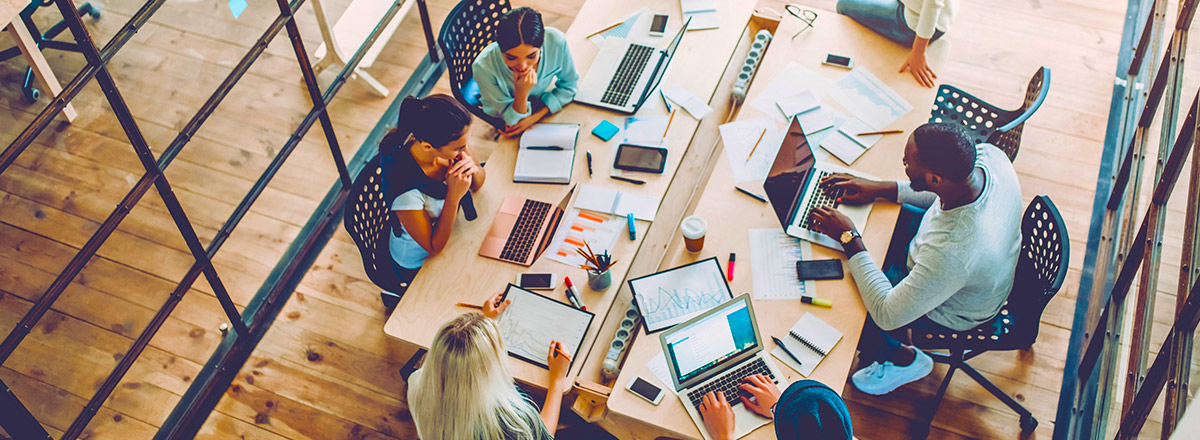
(927, 286)
(905, 194)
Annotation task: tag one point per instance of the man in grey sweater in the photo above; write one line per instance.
(960, 263)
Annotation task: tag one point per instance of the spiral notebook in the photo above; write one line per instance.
(810, 340)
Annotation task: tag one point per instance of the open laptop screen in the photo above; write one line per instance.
(723, 334)
(789, 173)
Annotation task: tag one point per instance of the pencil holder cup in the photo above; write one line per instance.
(599, 281)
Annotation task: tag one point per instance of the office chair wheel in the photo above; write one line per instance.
(32, 94)
(1028, 423)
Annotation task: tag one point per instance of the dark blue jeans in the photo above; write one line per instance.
(876, 344)
(885, 17)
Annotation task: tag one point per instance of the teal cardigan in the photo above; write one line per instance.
(554, 68)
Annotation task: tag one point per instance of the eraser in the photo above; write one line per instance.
(605, 130)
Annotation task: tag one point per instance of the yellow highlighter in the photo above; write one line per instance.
(816, 301)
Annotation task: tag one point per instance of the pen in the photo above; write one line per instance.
(632, 228)
(785, 350)
(816, 301)
(665, 101)
(870, 133)
(548, 147)
(470, 306)
(626, 179)
(756, 196)
(573, 295)
(669, 121)
(589, 160)
(732, 258)
(764, 133)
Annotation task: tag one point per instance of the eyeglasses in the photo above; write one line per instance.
(807, 16)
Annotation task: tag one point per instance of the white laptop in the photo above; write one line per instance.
(624, 73)
(714, 352)
(793, 188)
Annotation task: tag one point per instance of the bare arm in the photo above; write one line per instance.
(431, 238)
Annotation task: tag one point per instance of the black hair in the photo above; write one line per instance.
(437, 119)
(946, 150)
(520, 26)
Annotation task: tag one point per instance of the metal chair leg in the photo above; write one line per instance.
(921, 430)
(411, 366)
(1027, 420)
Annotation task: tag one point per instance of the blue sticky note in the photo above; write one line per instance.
(236, 7)
(605, 130)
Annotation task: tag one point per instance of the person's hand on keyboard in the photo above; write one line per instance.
(855, 190)
(829, 221)
(764, 393)
(717, 415)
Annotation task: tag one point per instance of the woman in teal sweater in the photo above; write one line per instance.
(526, 73)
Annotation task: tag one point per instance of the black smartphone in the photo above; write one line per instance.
(632, 157)
(819, 270)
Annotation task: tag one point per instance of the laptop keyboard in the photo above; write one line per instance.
(821, 197)
(524, 233)
(728, 383)
(628, 73)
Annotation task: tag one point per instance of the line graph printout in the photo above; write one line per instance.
(676, 295)
(531, 321)
(869, 99)
(773, 257)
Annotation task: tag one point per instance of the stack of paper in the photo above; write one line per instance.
(846, 144)
(703, 14)
(546, 154)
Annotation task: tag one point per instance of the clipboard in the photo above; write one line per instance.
(675, 295)
(531, 321)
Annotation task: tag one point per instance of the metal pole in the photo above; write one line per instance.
(425, 23)
(1189, 268)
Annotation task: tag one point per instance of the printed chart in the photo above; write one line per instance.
(531, 321)
(597, 230)
(676, 295)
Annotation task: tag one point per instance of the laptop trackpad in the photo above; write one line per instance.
(746, 420)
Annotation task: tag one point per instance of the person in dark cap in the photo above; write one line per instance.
(807, 407)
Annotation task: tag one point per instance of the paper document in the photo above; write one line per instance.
(694, 105)
(809, 340)
(679, 294)
(532, 321)
(740, 138)
(869, 99)
(658, 366)
(846, 144)
(773, 257)
(636, 27)
(646, 130)
(703, 14)
(621, 30)
(611, 201)
(546, 154)
(805, 107)
(597, 230)
(793, 79)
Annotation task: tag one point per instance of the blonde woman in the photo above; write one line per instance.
(464, 391)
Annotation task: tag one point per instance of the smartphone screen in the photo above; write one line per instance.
(645, 389)
(659, 24)
(836, 59)
(535, 280)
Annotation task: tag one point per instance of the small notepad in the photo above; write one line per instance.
(810, 340)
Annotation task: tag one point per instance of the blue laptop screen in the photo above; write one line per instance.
(703, 344)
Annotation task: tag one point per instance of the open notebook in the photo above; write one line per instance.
(546, 154)
(810, 340)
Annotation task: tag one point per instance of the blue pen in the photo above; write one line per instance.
(632, 228)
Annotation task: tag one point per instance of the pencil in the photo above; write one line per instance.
(870, 133)
(669, 121)
(604, 30)
(764, 133)
(470, 306)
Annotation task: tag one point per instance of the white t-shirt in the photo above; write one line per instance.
(407, 253)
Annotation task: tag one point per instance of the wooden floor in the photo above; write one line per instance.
(325, 370)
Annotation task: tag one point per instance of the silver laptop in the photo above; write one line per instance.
(625, 73)
(714, 352)
(793, 187)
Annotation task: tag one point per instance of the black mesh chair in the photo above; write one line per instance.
(469, 28)
(1041, 268)
(366, 219)
(986, 122)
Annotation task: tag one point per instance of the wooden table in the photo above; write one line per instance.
(730, 215)
(460, 274)
(11, 21)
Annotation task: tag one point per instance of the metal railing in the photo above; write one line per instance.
(1120, 247)
(247, 325)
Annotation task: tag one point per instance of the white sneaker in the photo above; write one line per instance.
(878, 379)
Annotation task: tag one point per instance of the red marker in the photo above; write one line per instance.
(732, 257)
(573, 295)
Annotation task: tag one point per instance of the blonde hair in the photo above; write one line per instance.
(465, 390)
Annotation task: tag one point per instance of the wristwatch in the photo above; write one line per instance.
(849, 235)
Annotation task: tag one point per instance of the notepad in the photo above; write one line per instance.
(703, 14)
(546, 154)
(811, 339)
(611, 201)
